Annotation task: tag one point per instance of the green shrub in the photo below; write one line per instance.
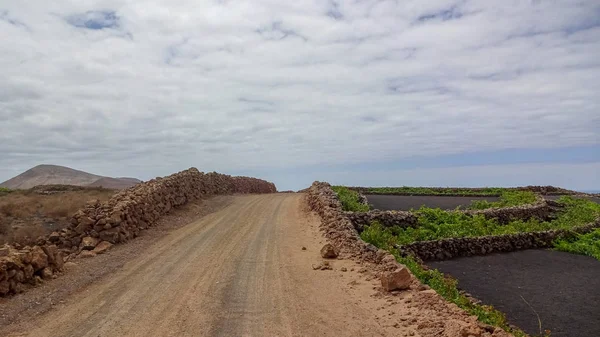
(435, 224)
(350, 199)
(507, 199)
(586, 244)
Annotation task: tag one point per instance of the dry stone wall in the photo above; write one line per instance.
(541, 209)
(446, 249)
(455, 247)
(477, 191)
(340, 231)
(99, 225)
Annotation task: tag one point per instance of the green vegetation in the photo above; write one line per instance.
(586, 244)
(507, 199)
(446, 287)
(406, 190)
(4, 190)
(435, 224)
(350, 199)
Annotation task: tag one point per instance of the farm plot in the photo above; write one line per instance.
(537, 289)
(408, 202)
(442, 235)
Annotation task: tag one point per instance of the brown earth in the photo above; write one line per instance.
(60, 175)
(245, 270)
(27, 214)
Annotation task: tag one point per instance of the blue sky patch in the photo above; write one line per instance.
(95, 20)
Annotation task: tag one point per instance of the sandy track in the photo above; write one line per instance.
(240, 271)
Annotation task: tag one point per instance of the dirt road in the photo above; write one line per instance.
(240, 271)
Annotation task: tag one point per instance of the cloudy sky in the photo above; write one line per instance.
(359, 92)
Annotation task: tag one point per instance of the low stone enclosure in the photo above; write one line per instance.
(542, 190)
(456, 247)
(343, 230)
(99, 225)
(542, 209)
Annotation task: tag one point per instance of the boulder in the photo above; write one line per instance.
(398, 279)
(85, 224)
(328, 252)
(88, 243)
(51, 251)
(39, 259)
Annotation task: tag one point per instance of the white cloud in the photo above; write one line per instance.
(232, 85)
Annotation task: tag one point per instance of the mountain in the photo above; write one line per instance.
(60, 175)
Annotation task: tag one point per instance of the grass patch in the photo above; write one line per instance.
(446, 287)
(406, 190)
(4, 190)
(436, 224)
(507, 199)
(350, 199)
(586, 244)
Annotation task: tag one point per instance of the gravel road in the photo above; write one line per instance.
(240, 271)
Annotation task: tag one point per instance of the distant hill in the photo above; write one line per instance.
(60, 175)
(115, 183)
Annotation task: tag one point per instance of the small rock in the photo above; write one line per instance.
(39, 259)
(303, 248)
(102, 247)
(398, 279)
(328, 252)
(322, 266)
(54, 237)
(344, 269)
(47, 273)
(89, 243)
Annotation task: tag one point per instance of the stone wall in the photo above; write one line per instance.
(339, 229)
(476, 191)
(99, 225)
(541, 209)
(457, 247)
